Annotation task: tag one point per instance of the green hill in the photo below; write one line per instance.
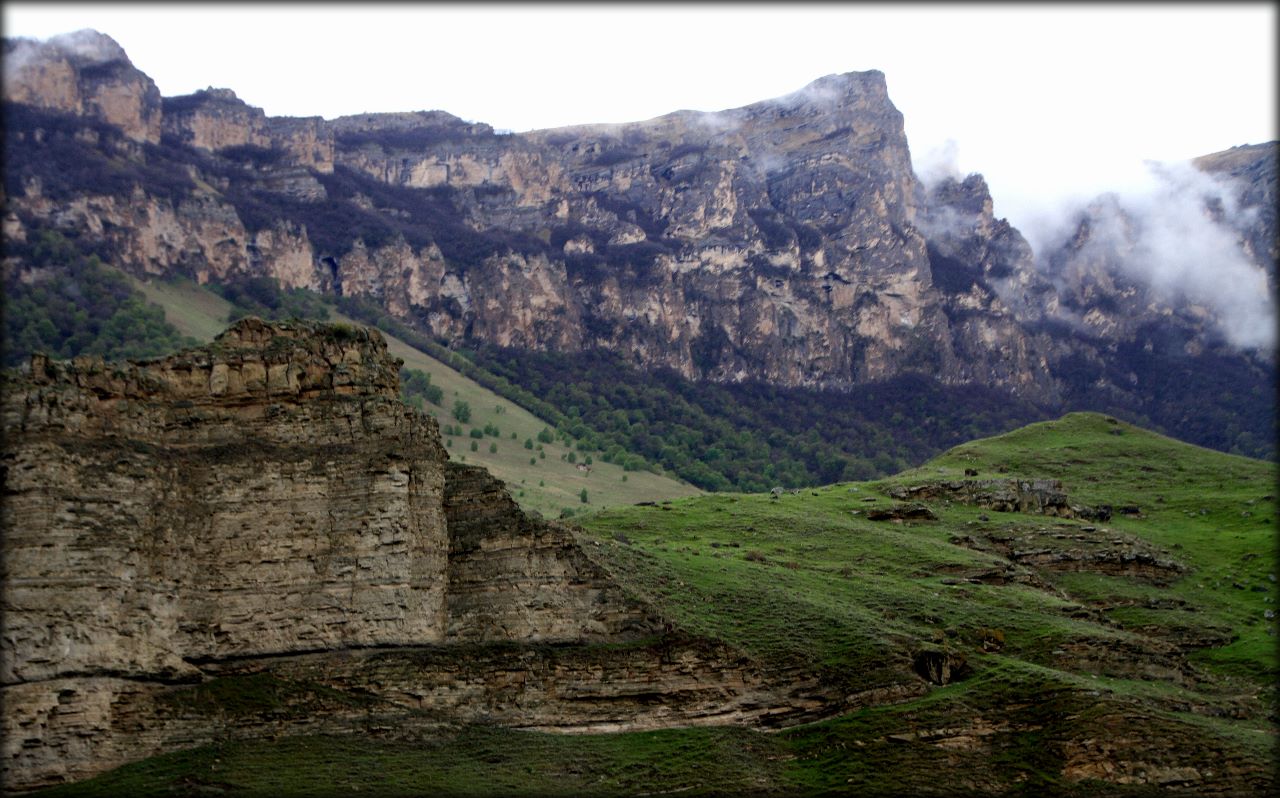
(541, 478)
(1117, 643)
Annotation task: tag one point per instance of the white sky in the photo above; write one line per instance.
(1044, 100)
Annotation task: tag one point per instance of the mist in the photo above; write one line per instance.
(1167, 226)
(1179, 233)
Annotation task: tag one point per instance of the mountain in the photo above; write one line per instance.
(563, 468)
(788, 242)
(247, 567)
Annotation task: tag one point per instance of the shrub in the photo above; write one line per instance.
(462, 411)
(86, 309)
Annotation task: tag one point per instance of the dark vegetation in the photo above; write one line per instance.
(419, 216)
(750, 437)
(416, 387)
(71, 156)
(1221, 401)
(951, 275)
(263, 297)
(723, 437)
(415, 139)
(72, 304)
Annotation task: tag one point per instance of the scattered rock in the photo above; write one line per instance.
(902, 512)
(939, 667)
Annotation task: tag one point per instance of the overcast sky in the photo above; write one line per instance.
(1045, 101)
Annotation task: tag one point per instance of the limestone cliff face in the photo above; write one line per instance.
(265, 507)
(83, 73)
(264, 495)
(1253, 166)
(787, 241)
(775, 241)
(215, 119)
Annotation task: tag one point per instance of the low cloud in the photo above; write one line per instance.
(84, 46)
(719, 122)
(88, 45)
(1179, 234)
(939, 163)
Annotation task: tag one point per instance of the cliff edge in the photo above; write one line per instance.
(265, 507)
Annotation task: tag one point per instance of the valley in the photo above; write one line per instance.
(716, 453)
(963, 638)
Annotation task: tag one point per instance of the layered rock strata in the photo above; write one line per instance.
(265, 508)
(787, 241)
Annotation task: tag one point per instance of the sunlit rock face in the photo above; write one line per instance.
(787, 241)
(84, 73)
(266, 495)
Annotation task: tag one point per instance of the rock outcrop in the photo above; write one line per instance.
(788, 241)
(266, 508)
(83, 73)
(1041, 496)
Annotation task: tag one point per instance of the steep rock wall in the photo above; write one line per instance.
(266, 494)
(788, 241)
(265, 508)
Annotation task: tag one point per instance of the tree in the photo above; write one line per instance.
(583, 496)
(462, 411)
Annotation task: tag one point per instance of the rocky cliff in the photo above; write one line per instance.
(266, 507)
(787, 241)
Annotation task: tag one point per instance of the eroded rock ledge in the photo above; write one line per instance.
(1042, 496)
(265, 508)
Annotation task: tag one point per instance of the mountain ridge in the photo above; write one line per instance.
(787, 241)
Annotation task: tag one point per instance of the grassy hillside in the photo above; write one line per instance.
(540, 479)
(1062, 678)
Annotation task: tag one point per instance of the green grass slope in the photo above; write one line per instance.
(1215, 512)
(1067, 682)
(540, 479)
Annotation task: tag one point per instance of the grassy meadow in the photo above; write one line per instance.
(1056, 664)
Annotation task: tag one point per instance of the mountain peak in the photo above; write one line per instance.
(85, 47)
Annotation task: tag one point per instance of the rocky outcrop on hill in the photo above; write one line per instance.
(1041, 496)
(266, 508)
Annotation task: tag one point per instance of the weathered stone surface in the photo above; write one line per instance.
(513, 578)
(1043, 496)
(787, 241)
(1079, 548)
(902, 512)
(84, 73)
(216, 119)
(266, 508)
(266, 494)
